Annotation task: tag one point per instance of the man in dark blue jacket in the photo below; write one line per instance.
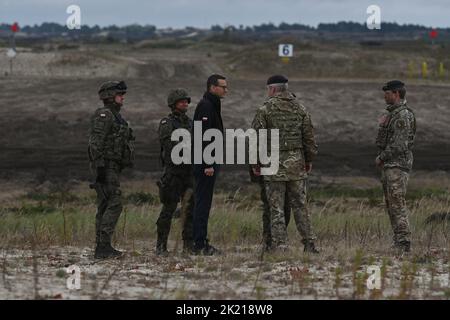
(208, 111)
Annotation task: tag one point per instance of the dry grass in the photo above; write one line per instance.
(43, 233)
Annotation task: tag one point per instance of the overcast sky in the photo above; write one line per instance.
(204, 13)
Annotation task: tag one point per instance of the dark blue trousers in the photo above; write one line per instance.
(203, 189)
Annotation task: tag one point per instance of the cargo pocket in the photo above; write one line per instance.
(165, 190)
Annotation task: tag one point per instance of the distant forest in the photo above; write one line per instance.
(150, 30)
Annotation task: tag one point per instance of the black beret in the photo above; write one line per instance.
(393, 85)
(277, 79)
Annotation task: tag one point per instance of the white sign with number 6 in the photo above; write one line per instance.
(286, 50)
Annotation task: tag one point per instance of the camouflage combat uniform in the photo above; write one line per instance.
(267, 234)
(297, 146)
(395, 140)
(176, 184)
(110, 151)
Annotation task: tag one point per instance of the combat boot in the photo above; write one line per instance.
(310, 247)
(161, 247)
(106, 251)
(403, 247)
(161, 243)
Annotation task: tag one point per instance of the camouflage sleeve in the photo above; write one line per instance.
(100, 126)
(259, 122)
(398, 142)
(309, 144)
(165, 133)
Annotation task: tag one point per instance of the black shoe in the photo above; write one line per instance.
(209, 250)
(310, 247)
(205, 249)
(106, 251)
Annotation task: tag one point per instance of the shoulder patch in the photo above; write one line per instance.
(103, 112)
(401, 124)
(163, 121)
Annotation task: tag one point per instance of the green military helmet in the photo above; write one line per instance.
(110, 89)
(177, 95)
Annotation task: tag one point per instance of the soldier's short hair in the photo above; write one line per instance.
(279, 87)
(402, 92)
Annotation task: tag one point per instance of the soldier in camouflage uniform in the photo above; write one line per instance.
(267, 234)
(176, 184)
(397, 128)
(110, 151)
(297, 149)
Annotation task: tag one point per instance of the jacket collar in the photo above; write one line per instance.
(284, 95)
(177, 114)
(392, 107)
(114, 107)
(213, 98)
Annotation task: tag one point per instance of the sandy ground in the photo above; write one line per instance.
(46, 134)
(240, 274)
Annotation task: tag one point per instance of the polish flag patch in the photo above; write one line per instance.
(204, 119)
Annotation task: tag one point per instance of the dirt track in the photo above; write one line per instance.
(44, 123)
(46, 108)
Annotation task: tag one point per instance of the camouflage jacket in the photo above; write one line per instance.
(111, 139)
(395, 139)
(173, 121)
(296, 134)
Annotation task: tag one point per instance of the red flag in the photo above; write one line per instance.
(433, 34)
(15, 27)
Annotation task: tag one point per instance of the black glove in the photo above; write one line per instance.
(101, 174)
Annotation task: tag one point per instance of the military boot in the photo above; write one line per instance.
(104, 250)
(161, 246)
(309, 247)
(403, 247)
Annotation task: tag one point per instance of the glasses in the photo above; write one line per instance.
(223, 87)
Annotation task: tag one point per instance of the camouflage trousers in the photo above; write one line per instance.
(175, 188)
(267, 234)
(109, 204)
(394, 183)
(295, 191)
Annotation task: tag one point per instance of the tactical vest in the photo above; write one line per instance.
(175, 124)
(118, 143)
(383, 131)
(287, 117)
